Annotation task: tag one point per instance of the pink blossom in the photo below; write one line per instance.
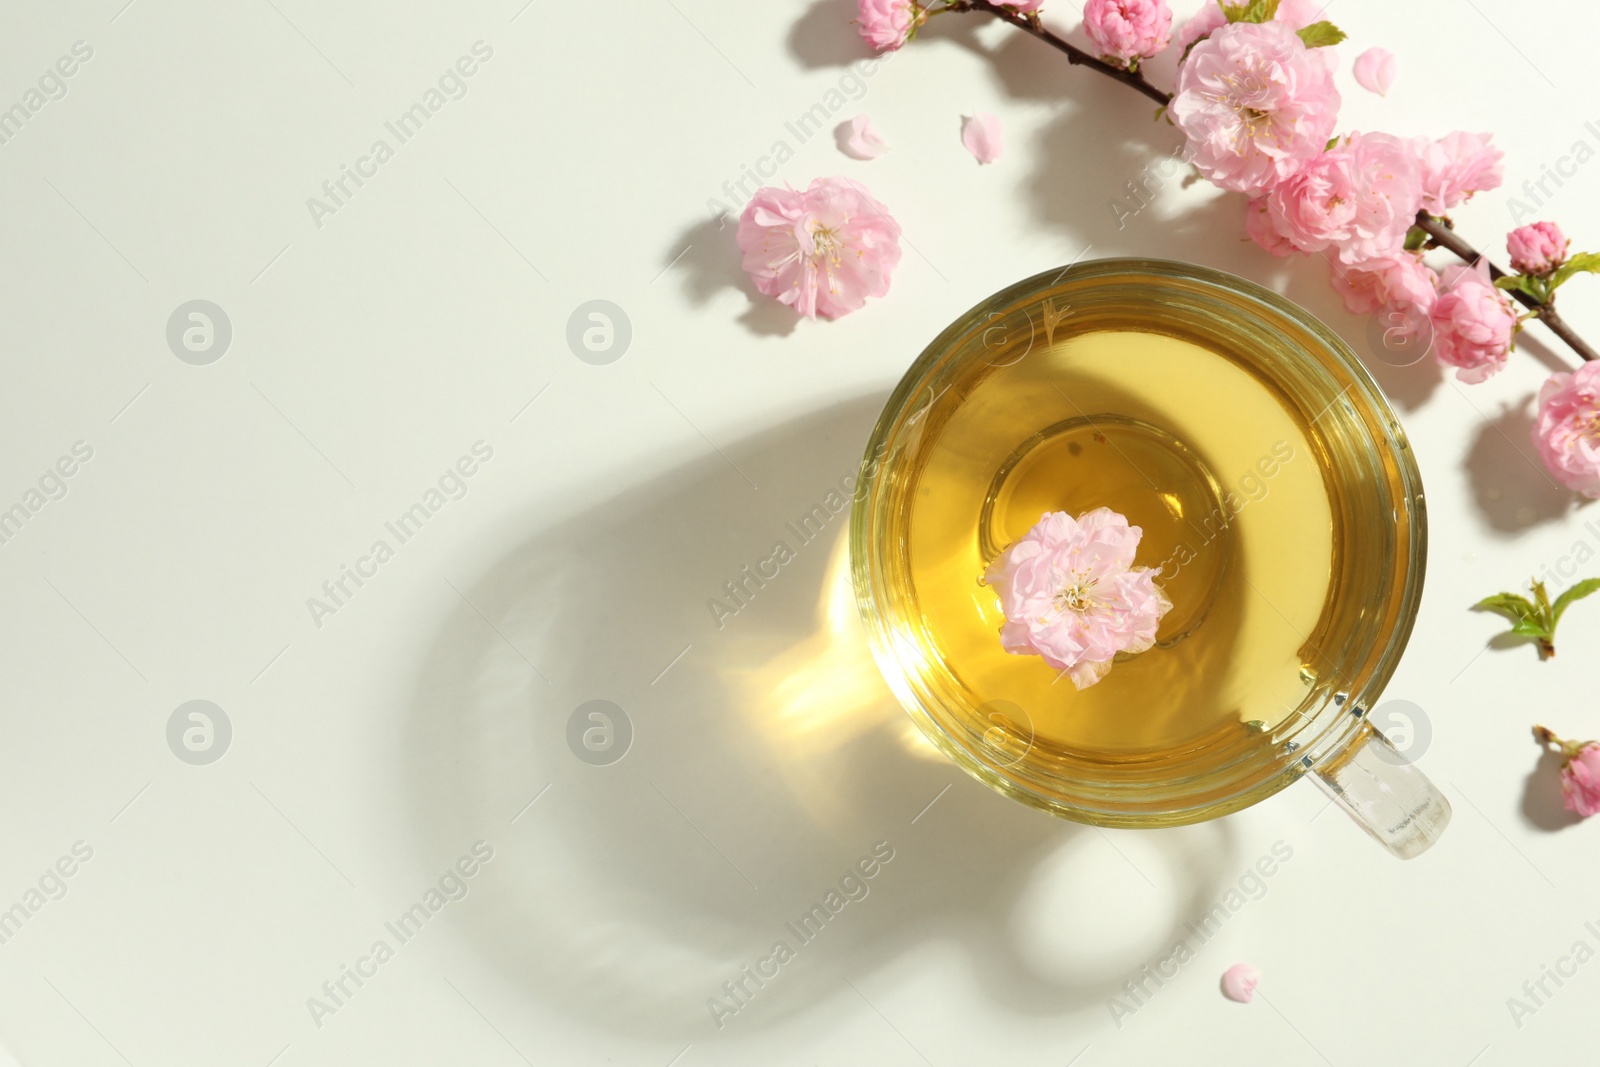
(1296, 14)
(1400, 287)
(1071, 594)
(1402, 281)
(1258, 225)
(1473, 323)
(1239, 982)
(985, 136)
(1126, 31)
(1358, 197)
(886, 25)
(1580, 781)
(1537, 248)
(1456, 166)
(1255, 104)
(864, 141)
(1026, 7)
(1374, 70)
(1566, 428)
(822, 251)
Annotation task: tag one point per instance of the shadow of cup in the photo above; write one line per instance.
(765, 761)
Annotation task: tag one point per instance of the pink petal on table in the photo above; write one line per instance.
(1374, 70)
(863, 141)
(985, 137)
(1239, 982)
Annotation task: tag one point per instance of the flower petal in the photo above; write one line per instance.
(985, 136)
(1374, 70)
(860, 139)
(1239, 982)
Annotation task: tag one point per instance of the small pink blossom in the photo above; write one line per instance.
(1456, 166)
(1374, 70)
(1258, 225)
(1239, 982)
(886, 25)
(1580, 773)
(1566, 428)
(1296, 14)
(864, 141)
(822, 251)
(1358, 197)
(1537, 248)
(1255, 104)
(1071, 593)
(1473, 323)
(985, 136)
(1126, 31)
(1026, 7)
(1580, 781)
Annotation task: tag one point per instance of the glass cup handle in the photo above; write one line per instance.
(1388, 797)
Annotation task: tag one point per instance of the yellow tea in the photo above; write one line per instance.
(1216, 471)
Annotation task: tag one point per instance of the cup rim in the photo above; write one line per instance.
(1340, 734)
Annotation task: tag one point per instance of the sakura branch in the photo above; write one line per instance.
(1245, 136)
(1025, 17)
(1541, 300)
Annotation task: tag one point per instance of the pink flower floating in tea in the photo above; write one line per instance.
(822, 251)
(1072, 596)
(1580, 774)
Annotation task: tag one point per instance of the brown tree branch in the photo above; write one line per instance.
(1030, 24)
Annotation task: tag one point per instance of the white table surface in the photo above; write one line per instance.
(373, 746)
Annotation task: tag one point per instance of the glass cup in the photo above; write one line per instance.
(1146, 386)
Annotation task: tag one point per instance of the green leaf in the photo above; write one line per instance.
(1160, 112)
(1321, 34)
(1518, 609)
(1583, 261)
(1251, 11)
(1530, 628)
(1542, 598)
(1416, 237)
(1577, 592)
(1524, 283)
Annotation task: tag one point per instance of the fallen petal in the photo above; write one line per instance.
(985, 137)
(861, 139)
(1374, 70)
(1239, 982)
